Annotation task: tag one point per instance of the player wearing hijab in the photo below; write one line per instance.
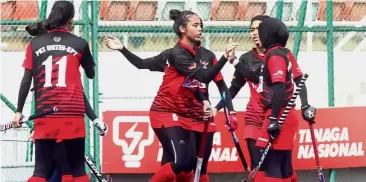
(276, 88)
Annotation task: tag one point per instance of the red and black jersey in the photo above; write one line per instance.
(277, 68)
(176, 93)
(206, 60)
(254, 112)
(54, 59)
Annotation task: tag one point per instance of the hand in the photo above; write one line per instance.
(31, 137)
(274, 128)
(233, 121)
(230, 51)
(113, 43)
(101, 126)
(17, 120)
(308, 113)
(214, 112)
(207, 110)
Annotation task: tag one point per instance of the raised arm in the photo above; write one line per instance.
(156, 63)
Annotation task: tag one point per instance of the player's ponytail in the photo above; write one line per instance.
(37, 29)
(174, 14)
(180, 19)
(62, 12)
(55, 18)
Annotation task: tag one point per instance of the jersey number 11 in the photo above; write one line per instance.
(61, 78)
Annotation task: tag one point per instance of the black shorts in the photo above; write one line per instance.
(168, 153)
(182, 143)
(67, 156)
(278, 164)
(181, 147)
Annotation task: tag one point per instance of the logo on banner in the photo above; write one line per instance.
(132, 142)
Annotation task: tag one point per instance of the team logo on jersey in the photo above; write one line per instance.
(57, 39)
(278, 75)
(132, 140)
(204, 64)
(193, 83)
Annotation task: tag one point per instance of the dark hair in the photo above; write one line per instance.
(180, 19)
(259, 18)
(37, 29)
(61, 13)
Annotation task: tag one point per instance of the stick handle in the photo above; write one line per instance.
(293, 99)
(41, 114)
(10, 125)
(236, 141)
(94, 169)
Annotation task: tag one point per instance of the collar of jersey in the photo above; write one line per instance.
(272, 48)
(187, 47)
(257, 55)
(60, 30)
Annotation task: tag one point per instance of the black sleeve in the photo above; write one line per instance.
(278, 98)
(87, 62)
(304, 92)
(199, 95)
(233, 90)
(183, 64)
(89, 110)
(253, 76)
(24, 89)
(237, 83)
(221, 85)
(156, 63)
(238, 79)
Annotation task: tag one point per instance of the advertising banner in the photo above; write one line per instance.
(132, 147)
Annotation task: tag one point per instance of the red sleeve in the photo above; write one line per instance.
(219, 76)
(296, 71)
(28, 61)
(277, 68)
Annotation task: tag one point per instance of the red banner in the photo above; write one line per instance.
(132, 147)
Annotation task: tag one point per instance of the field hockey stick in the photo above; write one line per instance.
(201, 153)
(235, 138)
(94, 169)
(317, 160)
(6, 126)
(280, 121)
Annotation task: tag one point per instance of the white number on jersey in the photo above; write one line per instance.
(61, 82)
(175, 117)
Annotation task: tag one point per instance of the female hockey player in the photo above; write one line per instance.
(158, 63)
(52, 60)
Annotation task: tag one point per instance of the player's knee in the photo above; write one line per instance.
(42, 171)
(78, 169)
(182, 165)
(166, 157)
